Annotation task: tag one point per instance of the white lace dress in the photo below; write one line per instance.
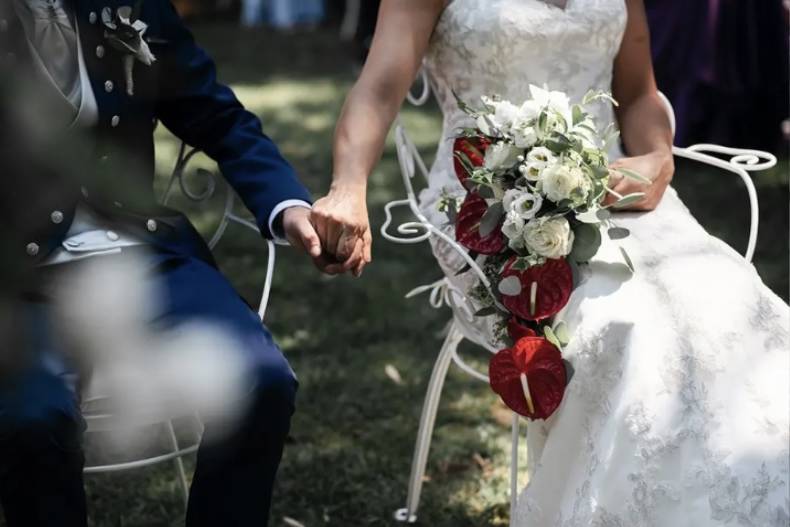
(678, 412)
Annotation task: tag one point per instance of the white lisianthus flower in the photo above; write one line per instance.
(501, 155)
(513, 227)
(502, 116)
(560, 182)
(556, 101)
(550, 237)
(524, 135)
(525, 204)
(538, 159)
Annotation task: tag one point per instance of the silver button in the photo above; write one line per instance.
(56, 217)
(92, 17)
(3, 26)
(104, 158)
(115, 121)
(151, 225)
(108, 86)
(113, 236)
(100, 52)
(32, 249)
(84, 192)
(118, 204)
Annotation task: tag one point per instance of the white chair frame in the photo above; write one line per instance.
(98, 421)
(443, 292)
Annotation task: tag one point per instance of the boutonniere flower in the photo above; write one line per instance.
(124, 32)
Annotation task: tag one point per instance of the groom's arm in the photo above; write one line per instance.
(207, 115)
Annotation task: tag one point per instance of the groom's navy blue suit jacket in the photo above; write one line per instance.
(116, 173)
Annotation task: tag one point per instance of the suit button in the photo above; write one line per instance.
(109, 86)
(84, 192)
(56, 217)
(151, 225)
(118, 204)
(32, 249)
(92, 17)
(115, 121)
(3, 26)
(100, 52)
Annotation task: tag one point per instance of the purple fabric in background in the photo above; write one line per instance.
(724, 66)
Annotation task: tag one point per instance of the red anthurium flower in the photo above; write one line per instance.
(530, 377)
(474, 148)
(554, 282)
(467, 227)
(517, 330)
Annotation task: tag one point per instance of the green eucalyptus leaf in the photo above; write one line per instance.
(629, 199)
(491, 218)
(569, 370)
(603, 214)
(551, 337)
(587, 240)
(578, 114)
(486, 312)
(631, 174)
(618, 233)
(627, 259)
(561, 331)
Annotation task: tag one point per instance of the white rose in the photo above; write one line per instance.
(549, 237)
(525, 204)
(501, 155)
(560, 182)
(538, 159)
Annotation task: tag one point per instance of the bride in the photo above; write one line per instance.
(678, 411)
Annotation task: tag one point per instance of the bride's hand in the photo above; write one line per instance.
(657, 167)
(341, 220)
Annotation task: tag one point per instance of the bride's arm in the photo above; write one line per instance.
(643, 119)
(402, 35)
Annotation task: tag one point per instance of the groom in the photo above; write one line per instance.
(107, 72)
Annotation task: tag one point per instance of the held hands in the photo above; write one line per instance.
(341, 221)
(656, 167)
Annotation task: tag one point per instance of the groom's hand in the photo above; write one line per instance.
(300, 233)
(341, 220)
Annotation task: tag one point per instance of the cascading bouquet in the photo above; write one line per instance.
(535, 176)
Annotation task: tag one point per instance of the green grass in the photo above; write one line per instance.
(349, 454)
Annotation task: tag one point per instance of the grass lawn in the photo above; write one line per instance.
(349, 454)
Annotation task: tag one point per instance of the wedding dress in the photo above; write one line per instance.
(678, 411)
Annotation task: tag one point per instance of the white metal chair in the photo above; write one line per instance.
(443, 292)
(96, 417)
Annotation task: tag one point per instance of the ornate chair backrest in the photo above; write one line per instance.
(179, 182)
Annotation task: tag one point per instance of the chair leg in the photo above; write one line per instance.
(182, 475)
(427, 421)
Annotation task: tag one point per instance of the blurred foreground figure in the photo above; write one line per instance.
(90, 83)
(724, 66)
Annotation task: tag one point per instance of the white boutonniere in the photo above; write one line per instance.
(124, 32)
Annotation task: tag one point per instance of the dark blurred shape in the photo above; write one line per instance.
(724, 66)
(369, 12)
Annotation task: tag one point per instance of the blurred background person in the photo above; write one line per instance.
(283, 14)
(724, 66)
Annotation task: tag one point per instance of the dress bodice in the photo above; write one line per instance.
(500, 47)
(487, 47)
